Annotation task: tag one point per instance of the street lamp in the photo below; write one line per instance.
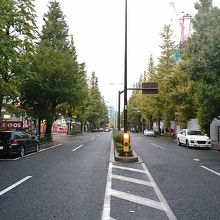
(125, 76)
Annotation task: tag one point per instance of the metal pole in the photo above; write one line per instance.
(119, 103)
(125, 75)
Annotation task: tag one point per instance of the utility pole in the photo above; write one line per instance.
(125, 76)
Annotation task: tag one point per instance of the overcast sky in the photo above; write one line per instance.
(98, 31)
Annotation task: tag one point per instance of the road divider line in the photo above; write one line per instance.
(14, 185)
(48, 148)
(163, 201)
(107, 201)
(158, 146)
(210, 170)
(133, 180)
(92, 138)
(77, 148)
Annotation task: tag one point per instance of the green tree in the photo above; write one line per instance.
(57, 77)
(17, 33)
(96, 110)
(162, 103)
(201, 61)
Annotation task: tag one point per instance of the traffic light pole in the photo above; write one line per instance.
(125, 76)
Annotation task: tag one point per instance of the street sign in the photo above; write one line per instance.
(10, 125)
(150, 88)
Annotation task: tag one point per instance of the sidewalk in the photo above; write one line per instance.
(216, 145)
(57, 139)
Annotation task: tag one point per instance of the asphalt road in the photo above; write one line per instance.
(79, 180)
(189, 179)
(67, 181)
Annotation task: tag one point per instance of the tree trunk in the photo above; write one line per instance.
(48, 129)
(207, 129)
(158, 126)
(39, 128)
(1, 104)
(82, 124)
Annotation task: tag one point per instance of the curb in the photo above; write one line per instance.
(131, 159)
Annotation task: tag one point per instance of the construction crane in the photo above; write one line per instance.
(185, 24)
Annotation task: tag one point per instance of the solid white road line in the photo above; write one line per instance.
(107, 200)
(48, 148)
(130, 169)
(165, 205)
(77, 148)
(210, 170)
(14, 185)
(137, 199)
(133, 180)
(158, 146)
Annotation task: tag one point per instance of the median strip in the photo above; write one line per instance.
(14, 185)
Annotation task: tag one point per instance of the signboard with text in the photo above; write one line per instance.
(10, 125)
(150, 88)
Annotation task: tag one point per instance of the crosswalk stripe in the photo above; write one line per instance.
(130, 169)
(133, 180)
(137, 199)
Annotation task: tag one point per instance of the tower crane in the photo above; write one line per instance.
(185, 25)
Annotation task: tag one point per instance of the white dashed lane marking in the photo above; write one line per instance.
(78, 147)
(14, 185)
(210, 170)
(156, 145)
(195, 159)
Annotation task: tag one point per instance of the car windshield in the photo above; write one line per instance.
(5, 136)
(194, 133)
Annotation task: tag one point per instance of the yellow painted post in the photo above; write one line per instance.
(126, 142)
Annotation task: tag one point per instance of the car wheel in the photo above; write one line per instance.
(178, 142)
(187, 144)
(22, 152)
(37, 147)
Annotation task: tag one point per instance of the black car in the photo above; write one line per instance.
(17, 142)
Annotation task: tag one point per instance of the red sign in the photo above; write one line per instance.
(10, 125)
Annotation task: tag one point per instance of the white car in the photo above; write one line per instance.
(149, 133)
(193, 138)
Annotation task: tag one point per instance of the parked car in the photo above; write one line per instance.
(17, 142)
(107, 129)
(134, 130)
(148, 132)
(193, 138)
